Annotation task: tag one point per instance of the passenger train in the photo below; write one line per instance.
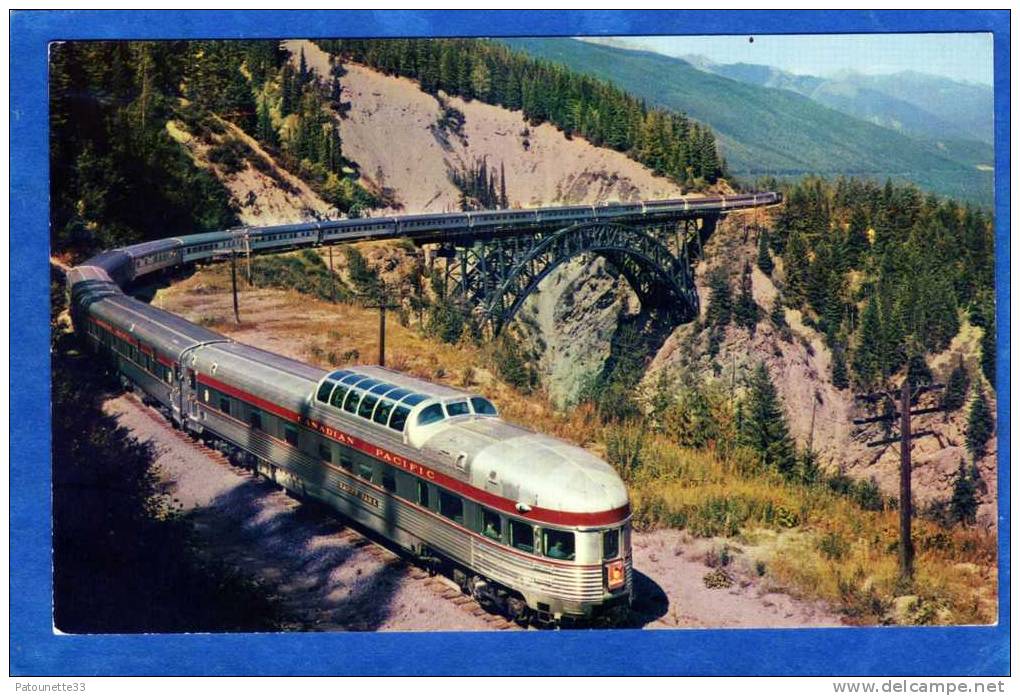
(526, 523)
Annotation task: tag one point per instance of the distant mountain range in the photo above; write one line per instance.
(910, 102)
(930, 130)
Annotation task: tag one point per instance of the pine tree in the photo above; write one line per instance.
(778, 318)
(302, 70)
(764, 429)
(720, 299)
(988, 349)
(980, 425)
(857, 244)
(840, 379)
(956, 388)
(867, 361)
(746, 312)
(764, 257)
(964, 503)
(795, 264)
(264, 131)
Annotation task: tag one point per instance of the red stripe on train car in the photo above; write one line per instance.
(538, 514)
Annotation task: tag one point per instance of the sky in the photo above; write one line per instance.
(962, 57)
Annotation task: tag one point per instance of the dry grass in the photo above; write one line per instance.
(811, 541)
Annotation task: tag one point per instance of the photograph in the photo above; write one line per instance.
(578, 333)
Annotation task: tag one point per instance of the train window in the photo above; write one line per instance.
(451, 506)
(381, 388)
(382, 412)
(398, 394)
(324, 389)
(415, 399)
(558, 544)
(522, 536)
(492, 525)
(337, 399)
(290, 434)
(339, 374)
(325, 452)
(365, 471)
(351, 378)
(346, 462)
(191, 380)
(610, 544)
(367, 406)
(399, 418)
(423, 494)
(389, 479)
(482, 406)
(457, 408)
(255, 420)
(225, 404)
(351, 405)
(431, 414)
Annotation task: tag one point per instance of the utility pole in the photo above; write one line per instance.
(382, 305)
(907, 398)
(332, 276)
(233, 283)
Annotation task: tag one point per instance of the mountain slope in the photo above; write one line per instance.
(925, 106)
(770, 131)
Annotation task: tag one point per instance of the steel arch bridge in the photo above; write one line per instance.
(492, 276)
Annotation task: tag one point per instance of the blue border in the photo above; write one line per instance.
(35, 650)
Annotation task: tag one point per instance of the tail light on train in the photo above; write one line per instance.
(616, 574)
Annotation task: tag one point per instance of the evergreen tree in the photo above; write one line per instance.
(964, 503)
(720, 299)
(868, 360)
(956, 387)
(302, 70)
(980, 425)
(746, 312)
(763, 428)
(840, 379)
(764, 257)
(988, 349)
(857, 244)
(795, 264)
(778, 318)
(264, 131)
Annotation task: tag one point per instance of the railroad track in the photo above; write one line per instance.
(437, 584)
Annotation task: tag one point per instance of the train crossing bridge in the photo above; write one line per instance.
(494, 259)
(492, 272)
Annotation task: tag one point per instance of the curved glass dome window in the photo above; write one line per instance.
(458, 408)
(381, 388)
(324, 391)
(482, 406)
(431, 414)
(352, 378)
(414, 399)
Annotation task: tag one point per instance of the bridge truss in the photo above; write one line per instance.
(492, 275)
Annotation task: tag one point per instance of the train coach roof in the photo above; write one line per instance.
(136, 250)
(162, 330)
(206, 237)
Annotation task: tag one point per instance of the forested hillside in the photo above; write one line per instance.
(885, 272)
(774, 131)
(119, 174)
